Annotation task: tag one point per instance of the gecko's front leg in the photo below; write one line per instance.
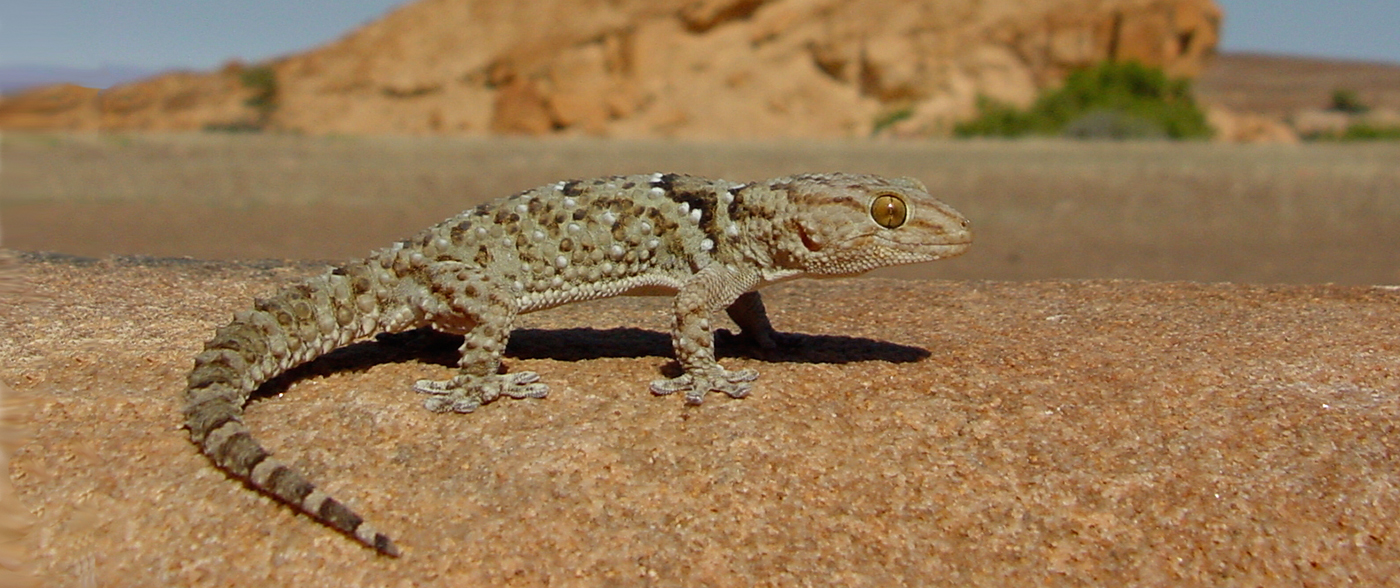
(713, 288)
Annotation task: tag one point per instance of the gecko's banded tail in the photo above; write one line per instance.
(216, 425)
(295, 326)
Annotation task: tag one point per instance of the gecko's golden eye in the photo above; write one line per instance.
(889, 211)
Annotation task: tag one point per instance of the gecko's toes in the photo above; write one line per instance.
(736, 384)
(467, 393)
(526, 391)
(459, 403)
(435, 386)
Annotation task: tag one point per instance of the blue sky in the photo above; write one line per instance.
(160, 34)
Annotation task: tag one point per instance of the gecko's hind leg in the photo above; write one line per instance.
(473, 309)
(478, 380)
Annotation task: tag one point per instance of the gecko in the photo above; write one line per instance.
(711, 244)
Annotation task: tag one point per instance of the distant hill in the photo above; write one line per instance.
(1283, 99)
(1281, 85)
(18, 77)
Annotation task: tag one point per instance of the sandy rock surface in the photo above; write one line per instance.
(916, 433)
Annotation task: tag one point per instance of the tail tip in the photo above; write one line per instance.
(380, 542)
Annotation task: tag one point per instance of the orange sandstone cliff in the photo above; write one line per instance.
(654, 68)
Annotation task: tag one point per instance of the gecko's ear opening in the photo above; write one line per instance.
(811, 243)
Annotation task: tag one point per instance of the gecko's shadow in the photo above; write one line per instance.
(429, 346)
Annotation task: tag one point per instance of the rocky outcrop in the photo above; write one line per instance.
(1247, 127)
(1278, 99)
(645, 68)
(56, 107)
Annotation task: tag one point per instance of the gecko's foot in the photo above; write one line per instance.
(467, 393)
(695, 385)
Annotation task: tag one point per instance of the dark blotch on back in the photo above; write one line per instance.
(458, 232)
(738, 201)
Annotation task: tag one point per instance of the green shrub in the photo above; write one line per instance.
(1111, 101)
(1347, 101)
(1361, 131)
(889, 118)
(262, 80)
(242, 126)
(1113, 124)
(998, 119)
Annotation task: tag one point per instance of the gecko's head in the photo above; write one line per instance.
(847, 224)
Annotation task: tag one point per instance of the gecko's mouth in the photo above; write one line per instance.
(906, 253)
(954, 249)
(886, 254)
(947, 246)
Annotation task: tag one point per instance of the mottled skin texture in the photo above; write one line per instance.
(711, 243)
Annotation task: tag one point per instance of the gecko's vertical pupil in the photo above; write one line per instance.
(889, 211)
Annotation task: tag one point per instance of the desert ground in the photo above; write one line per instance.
(1041, 209)
(1159, 365)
